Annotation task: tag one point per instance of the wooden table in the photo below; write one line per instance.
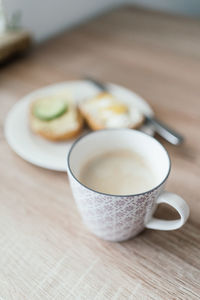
(45, 251)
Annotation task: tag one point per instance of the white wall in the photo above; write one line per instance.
(183, 7)
(44, 18)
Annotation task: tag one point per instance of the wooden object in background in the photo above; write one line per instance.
(12, 43)
(45, 250)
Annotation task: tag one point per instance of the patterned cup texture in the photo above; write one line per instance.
(114, 218)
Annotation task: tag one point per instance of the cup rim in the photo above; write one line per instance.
(117, 129)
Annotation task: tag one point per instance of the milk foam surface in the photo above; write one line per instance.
(120, 172)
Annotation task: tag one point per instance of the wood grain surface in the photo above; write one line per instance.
(45, 251)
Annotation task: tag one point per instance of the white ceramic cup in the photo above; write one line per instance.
(116, 217)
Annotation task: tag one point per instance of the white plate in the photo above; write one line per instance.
(52, 155)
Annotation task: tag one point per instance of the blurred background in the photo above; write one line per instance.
(46, 18)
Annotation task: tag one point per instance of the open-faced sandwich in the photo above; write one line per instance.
(55, 117)
(105, 111)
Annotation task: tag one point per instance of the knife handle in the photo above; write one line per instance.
(166, 132)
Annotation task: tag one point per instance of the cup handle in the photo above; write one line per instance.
(177, 203)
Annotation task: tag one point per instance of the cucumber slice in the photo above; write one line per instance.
(48, 109)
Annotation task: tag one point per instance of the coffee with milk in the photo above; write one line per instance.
(120, 172)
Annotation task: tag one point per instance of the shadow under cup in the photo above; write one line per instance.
(116, 217)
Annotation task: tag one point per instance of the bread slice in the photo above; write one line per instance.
(105, 111)
(64, 127)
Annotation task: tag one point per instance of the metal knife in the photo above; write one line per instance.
(162, 129)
